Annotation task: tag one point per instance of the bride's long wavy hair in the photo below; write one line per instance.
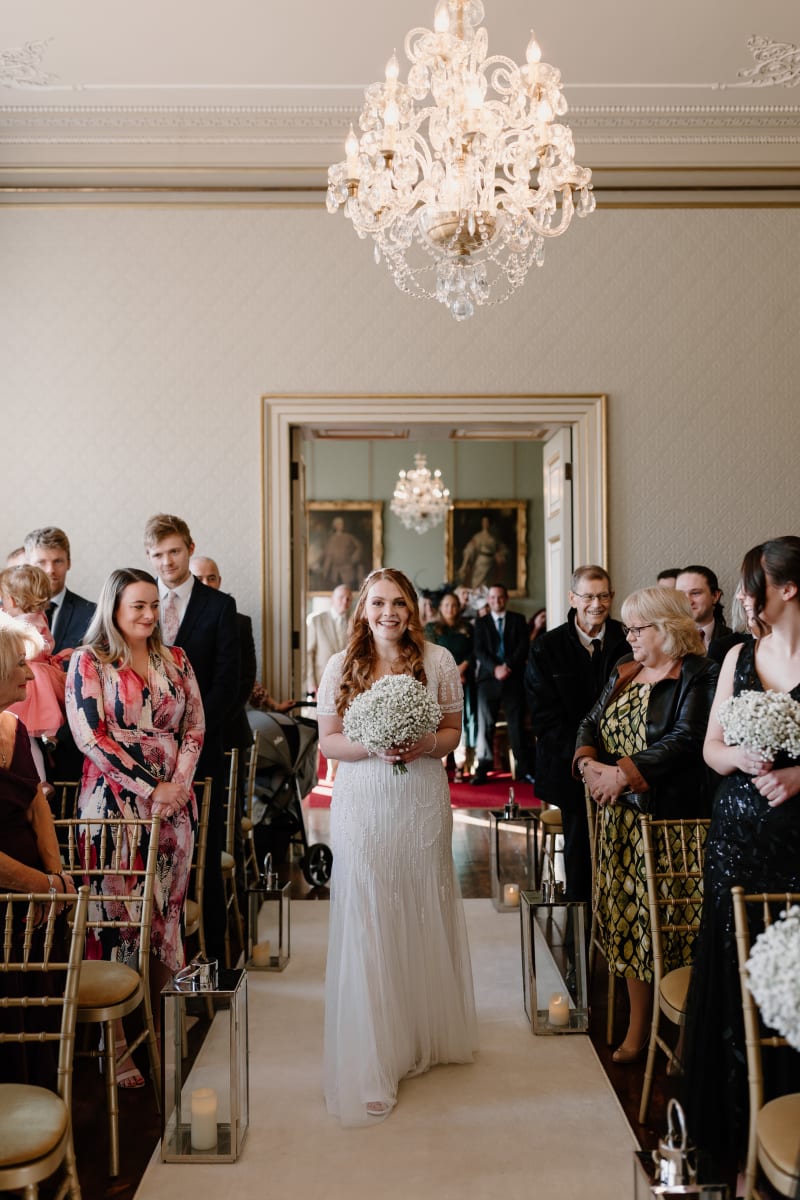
(361, 658)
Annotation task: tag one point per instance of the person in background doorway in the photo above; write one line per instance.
(500, 651)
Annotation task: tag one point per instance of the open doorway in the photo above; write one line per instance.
(287, 417)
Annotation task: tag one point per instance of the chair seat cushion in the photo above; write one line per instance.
(191, 915)
(105, 983)
(33, 1121)
(228, 863)
(551, 817)
(778, 1126)
(675, 988)
(246, 824)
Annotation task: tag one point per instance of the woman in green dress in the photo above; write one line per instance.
(453, 632)
(641, 749)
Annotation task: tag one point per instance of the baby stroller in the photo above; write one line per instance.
(286, 771)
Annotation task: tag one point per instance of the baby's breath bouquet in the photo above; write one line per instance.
(396, 711)
(773, 971)
(766, 721)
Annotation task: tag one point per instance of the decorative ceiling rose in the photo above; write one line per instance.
(474, 179)
(420, 498)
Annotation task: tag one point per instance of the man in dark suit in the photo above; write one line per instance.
(68, 615)
(500, 650)
(203, 622)
(567, 668)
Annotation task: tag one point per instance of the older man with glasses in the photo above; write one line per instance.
(567, 668)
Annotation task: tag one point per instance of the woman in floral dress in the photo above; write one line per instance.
(135, 712)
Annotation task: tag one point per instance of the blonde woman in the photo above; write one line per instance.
(641, 748)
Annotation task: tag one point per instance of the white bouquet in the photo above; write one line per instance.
(766, 721)
(773, 971)
(396, 711)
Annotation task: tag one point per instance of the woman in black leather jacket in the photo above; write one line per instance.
(641, 749)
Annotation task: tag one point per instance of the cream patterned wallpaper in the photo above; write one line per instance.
(136, 342)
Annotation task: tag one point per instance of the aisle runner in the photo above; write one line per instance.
(533, 1116)
(462, 795)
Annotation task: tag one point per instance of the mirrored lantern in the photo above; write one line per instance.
(676, 1167)
(268, 922)
(554, 978)
(205, 1114)
(512, 854)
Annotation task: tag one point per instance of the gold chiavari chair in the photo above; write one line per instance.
(193, 917)
(104, 853)
(35, 1123)
(773, 1141)
(251, 868)
(229, 874)
(674, 857)
(594, 817)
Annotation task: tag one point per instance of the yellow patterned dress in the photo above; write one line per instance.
(621, 883)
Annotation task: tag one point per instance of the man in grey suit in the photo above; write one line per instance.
(69, 614)
(326, 634)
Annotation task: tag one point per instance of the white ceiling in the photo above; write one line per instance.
(255, 95)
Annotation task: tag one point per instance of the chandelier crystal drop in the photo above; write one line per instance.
(460, 174)
(420, 498)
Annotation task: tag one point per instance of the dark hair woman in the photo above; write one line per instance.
(645, 736)
(135, 712)
(398, 985)
(455, 634)
(754, 841)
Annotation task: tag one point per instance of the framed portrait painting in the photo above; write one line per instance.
(486, 543)
(344, 541)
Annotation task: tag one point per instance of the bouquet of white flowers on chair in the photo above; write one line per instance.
(766, 721)
(396, 711)
(773, 975)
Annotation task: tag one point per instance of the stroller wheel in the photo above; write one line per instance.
(316, 864)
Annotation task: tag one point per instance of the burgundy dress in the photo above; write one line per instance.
(18, 784)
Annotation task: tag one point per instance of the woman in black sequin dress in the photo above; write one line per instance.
(754, 841)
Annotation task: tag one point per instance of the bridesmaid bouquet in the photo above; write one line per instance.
(766, 721)
(396, 711)
(773, 975)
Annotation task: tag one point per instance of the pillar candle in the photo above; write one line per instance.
(558, 1010)
(204, 1119)
(511, 894)
(261, 954)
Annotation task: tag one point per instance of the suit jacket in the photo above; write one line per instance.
(323, 640)
(563, 681)
(236, 729)
(73, 620)
(209, 635)
(516, 640)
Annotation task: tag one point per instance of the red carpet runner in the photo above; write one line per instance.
(493, 794)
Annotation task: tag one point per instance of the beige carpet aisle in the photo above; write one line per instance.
(533, 1116)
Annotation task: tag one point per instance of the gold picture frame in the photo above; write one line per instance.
(486, 543)
(344, 542)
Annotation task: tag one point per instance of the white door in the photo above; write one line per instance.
(557, 468)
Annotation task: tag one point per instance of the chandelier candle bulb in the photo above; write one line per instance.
(558, 1010)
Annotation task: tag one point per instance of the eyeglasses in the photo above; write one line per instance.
(595, 596)
(636, 630)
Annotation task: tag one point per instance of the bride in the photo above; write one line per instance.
(398, 988)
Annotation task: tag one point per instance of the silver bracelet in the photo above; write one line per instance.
(432, 751)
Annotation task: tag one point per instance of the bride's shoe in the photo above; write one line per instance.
(376, 1108)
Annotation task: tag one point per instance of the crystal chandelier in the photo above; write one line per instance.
(462, 214)
(420, 499)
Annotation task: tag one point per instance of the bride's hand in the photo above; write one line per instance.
(424, 748)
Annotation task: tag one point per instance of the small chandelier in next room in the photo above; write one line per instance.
(460, 174)
(420, 499)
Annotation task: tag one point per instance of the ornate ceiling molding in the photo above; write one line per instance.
(20, 66)
(777, 64)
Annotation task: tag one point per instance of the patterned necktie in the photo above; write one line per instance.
(501, 648)
(171, 621)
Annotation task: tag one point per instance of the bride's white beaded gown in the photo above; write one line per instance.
(398, 988)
